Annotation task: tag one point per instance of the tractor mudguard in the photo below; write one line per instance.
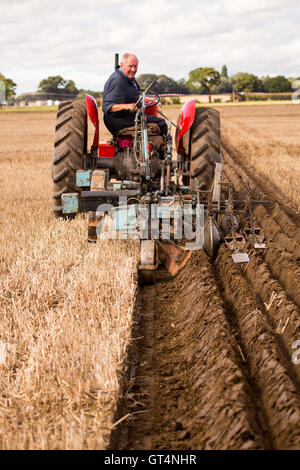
(92, 110)
(185, 120)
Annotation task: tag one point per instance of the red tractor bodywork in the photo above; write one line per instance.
(92, 110)
(106, 149)
(185, 121)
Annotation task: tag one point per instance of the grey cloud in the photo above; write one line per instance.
(78, 40)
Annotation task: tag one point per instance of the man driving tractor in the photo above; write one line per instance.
(121, 92)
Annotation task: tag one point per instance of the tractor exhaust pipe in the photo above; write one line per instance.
(116, 61)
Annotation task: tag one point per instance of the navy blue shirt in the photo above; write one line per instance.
(117, 90)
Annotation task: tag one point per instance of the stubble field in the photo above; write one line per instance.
(211, 350)
(66, 305)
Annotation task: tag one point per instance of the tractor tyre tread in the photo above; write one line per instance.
(69, 147)
(204, 148)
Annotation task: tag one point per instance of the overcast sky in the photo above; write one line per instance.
(78, 38)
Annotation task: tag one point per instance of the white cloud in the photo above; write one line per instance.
(242, 7)
(78, 39)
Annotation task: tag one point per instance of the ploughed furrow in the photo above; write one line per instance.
(279, 394)
(282, 233)
(260, 185)
(191, 387)
(212, 360)
(275, 218)
(282, 314)
(215, 356)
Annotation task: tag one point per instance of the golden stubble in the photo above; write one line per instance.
(66, 306)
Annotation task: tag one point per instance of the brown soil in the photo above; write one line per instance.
(198, 394)
(213, 351)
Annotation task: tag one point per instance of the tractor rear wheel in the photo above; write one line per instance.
(69, 147)
(204, 147)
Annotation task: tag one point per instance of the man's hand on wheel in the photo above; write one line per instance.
(132, 107)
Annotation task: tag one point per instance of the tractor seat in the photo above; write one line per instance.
(153, 129)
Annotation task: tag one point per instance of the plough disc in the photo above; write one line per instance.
(212, 237)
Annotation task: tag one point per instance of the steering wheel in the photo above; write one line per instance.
(152, 99)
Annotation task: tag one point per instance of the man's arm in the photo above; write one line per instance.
(114, 96)
(120, 107)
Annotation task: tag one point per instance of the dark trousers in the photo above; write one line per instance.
(115, 121)
(160, 121)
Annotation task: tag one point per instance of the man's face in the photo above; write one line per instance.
(130, 66)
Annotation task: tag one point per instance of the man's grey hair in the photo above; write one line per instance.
(126, 56)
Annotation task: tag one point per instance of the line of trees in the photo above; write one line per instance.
(202, 80)
(58, 85)
(10, 86)
(207, 80)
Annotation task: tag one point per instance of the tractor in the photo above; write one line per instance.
(172, 205)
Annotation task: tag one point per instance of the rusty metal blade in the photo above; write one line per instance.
(174, 257)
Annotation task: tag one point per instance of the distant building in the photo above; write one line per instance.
(43, 99)
(220, 98)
